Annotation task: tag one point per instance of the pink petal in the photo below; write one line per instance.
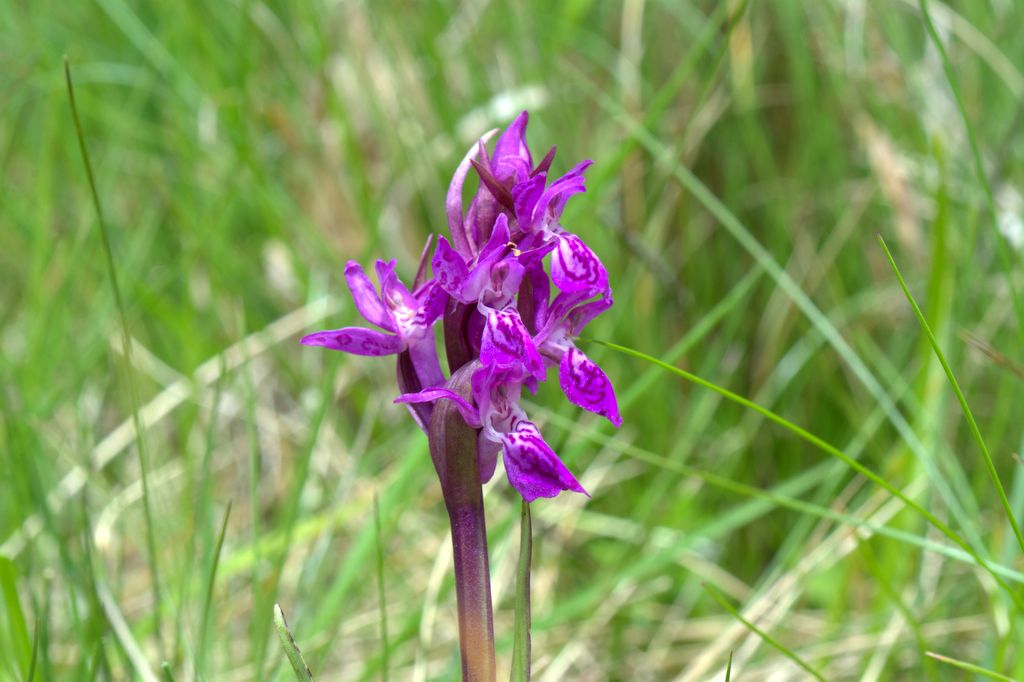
(586, 385)
(534, 296)
(558, 194)
(580, 316)
(574, 267)
(532, 466)
(506, 342)
(498, 239)
(466, 409)
(365, 296)
(450, 269)
(525, 196)
(392, 291)
(487, 456)
(355, 340)
(453, 201)
(432, 302)
(511, 160)
(423, 356)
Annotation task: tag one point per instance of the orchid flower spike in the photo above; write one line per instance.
(493, 293)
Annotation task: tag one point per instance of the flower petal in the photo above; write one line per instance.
(532, 466)
(450, 269)
(498, 239)
(423, 355)
(586, 385)
(429, 395)
(366, 298)
(558, 194)
(453, 201)
(507, 342)
(511, 160)
(432, 301)
(574, 267)
(534, 296)
(355, 340)
(580, 316)
(393, 292)
(525, 196)
(487, 456)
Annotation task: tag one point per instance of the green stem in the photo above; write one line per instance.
(521, 641)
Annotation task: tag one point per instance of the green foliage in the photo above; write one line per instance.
(746, 156)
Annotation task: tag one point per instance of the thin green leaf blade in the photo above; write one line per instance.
(975, 430)
(15, 616)
(782, 648)
(291, 649)
(521, 634)
(969, 667)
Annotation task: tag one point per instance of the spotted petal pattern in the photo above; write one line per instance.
(586, 385)
(574, 267)
(507, 342)
(532, 466)
(355, 340)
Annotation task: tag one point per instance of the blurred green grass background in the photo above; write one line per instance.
(244, 150)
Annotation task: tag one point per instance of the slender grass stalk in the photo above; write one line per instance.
(211, 581)
(259, 626)
(521, 634)
(766, 261)
(382, 602)
(291, 649)
(31, 675)
(782, 496)
(975, 431)
(783, 649)
(1005, 258)
(969, 667)
(834, 452)
(18, 658)
(126, 344)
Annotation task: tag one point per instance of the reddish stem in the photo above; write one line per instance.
(453, 450)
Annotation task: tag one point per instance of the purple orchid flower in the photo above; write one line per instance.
(406, 318)
(503, 331)
(494, 290)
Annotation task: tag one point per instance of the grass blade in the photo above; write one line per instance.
(830, 449)
(35, 656)
(766, 261)
(126, 343)
(1005, 259)
(521, 641)
(291, 649)
(208, 601)
(788, 653)
(381, 595)
(728, 668)
(969, 667)
(15, 615)
(975, 431)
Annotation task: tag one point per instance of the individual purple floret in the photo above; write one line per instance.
(499, 318)
(409, 317)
